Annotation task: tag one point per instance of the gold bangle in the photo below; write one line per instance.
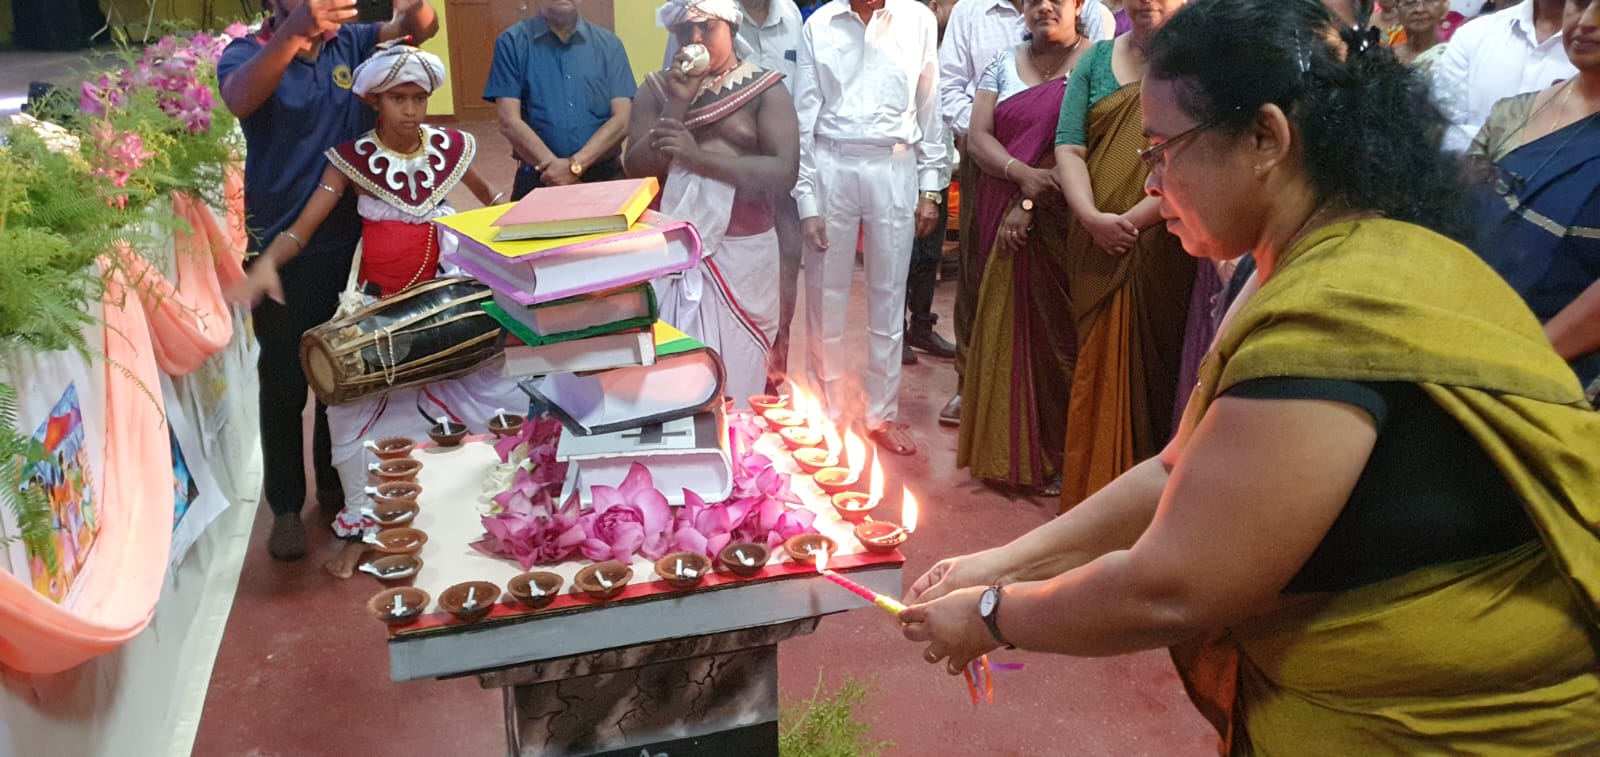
(295, 237)
(331, 190)
(1006, 172)
(496, 198)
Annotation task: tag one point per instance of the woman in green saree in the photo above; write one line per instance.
(1375, 531)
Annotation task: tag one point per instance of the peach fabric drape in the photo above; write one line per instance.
(157, 327)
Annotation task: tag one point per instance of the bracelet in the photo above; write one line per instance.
(933, 197)
(1006, 172)
(495, 200)
(295, 237)
(331, 190)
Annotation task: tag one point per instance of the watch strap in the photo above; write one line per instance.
(992, 618)
(933, 197)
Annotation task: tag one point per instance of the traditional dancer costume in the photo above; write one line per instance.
(401, 195)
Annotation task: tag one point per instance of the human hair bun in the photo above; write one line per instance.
(1369, 131)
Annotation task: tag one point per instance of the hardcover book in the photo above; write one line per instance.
(632, 347)
(588, 208)
(576, 317)
(684, 453)
(534, 272)
(687, 378)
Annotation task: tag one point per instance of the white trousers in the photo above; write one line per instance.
(870, 192)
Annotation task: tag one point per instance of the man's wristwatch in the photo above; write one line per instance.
(933, 197)
(989, 610)
(1027, 204)
(577, 168)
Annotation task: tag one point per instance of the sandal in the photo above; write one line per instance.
(894, 438)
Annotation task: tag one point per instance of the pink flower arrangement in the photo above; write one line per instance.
(178, 70)
(634, 518)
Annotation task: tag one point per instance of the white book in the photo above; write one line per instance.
(596, 353)
(686, 453)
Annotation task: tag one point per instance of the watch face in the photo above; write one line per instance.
(987, 602)
(1027, 204)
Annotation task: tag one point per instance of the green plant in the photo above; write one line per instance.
(826, 726)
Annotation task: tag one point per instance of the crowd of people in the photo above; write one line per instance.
(1293, 312)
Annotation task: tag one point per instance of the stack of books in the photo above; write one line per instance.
(570, 271)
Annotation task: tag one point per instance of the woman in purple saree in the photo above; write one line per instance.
(1014, 393)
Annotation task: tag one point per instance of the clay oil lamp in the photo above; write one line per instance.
(391, 448)
(743, 559)
(446, 433)
(505, 424)
(826, 455)
(392, 514)
(800, 437)
(398, 541)
(393, 568)
(836, 479)
(683, 570)
(855, 507)
(782, 418)
(535, 589)
(470, 600)
(761, 403)
(395, 491)
(803, 548)
(882, 537)
(398, 606)
(399, 469)
(603, 581)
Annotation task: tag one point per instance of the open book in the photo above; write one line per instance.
(687, 378)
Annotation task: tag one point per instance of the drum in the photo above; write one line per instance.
(425, 332)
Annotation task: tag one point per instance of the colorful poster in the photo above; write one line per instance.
(197, 499)
(184, 488)
(65, 479)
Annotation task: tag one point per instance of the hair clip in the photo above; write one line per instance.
(1302, 55)
(1361, 40)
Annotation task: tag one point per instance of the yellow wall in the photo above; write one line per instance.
(645, 42)
(443, 102)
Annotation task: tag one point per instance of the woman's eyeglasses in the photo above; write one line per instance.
(1152, 155)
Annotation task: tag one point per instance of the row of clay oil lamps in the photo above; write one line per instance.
(813, 443)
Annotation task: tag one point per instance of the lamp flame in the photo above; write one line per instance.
(875, 489)
(855, 452)
(830, 439)
(908, 511)
(821, 557)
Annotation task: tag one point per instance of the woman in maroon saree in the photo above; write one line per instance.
(1014, 393)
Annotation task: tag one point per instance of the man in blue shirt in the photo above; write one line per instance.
(289, 85)
(563, 89)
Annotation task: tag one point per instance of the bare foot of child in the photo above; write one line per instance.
(343, 565)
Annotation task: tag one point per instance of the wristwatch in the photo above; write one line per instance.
(1027, 204)
(989, 610)
(577, 168)
(933, 197)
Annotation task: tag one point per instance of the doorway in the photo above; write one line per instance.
(473, 27)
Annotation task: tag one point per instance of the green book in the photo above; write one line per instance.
(577, 317)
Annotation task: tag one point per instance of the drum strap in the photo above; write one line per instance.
(351, 299)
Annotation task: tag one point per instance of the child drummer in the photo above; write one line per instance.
(402, 171)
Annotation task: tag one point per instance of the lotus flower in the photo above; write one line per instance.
(532, 531)
(630, 518)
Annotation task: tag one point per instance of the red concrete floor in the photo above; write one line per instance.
(303, 670)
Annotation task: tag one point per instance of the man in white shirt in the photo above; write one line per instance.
(871, 149)
(978, 30)
(1496, 56)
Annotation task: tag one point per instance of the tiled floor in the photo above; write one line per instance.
(303, 671)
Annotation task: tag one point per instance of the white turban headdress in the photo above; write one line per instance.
(678, 11)
(393, 66)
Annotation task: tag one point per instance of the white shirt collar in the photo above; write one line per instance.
(1001, 5)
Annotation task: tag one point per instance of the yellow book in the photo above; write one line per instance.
(577, 209)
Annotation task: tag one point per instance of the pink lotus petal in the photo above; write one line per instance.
(595, 550)
(689, 540)
(715, 544)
